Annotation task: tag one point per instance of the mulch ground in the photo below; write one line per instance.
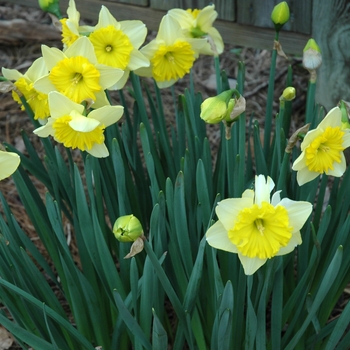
(23, 31)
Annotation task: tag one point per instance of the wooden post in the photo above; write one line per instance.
(331, 30)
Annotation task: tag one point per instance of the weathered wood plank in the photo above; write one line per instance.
(225, 9)
(257, 13)
(331, 28)
(232, 33)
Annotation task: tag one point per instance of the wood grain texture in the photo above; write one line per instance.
(331, 28)
(258, 13)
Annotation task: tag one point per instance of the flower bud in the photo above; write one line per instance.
(50, 6)
(215, 109)
(127, 228)
(312, 57)
(288, 94)
(280, 15)
(344, 108)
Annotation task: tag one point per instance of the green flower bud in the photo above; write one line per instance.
(280, 15)
(344, 115)
(288, 94)
(312, 57)
(215, 109)
(127, 228)
(51, 6)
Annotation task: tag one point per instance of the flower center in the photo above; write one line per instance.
(76, 78)
(324, 150)
(173, 61)
(194, 12)
(260, 231)
(37, 101)
(65, 134)
(112, 47)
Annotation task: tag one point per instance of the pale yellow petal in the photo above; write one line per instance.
(304, 175)
(101, 100)
(227, 210)
(137, 60)
(333, 119)
(99, 150)
(299, 163)
(184, 18)
(121, 82)
(298, 212)
(51, 56)
(251, 265)
(217, 238)
(11, 74)
(206, 18)
(169, 30)
(107, 115)
(45, 130)
(37, 70)
(82, 124)
(105, 19)
(338, 168)
(9, 162)
(82, 47)
(61, 105)
(294, 241)
(136, 32)
(44, 85)
(108, 75)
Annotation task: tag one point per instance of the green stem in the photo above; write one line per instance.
(269, 105)
(310, 103)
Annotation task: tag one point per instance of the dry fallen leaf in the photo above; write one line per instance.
(5, 339)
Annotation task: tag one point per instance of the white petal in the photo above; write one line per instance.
(333, 118)
(298, 212)
(248, 194)
(227, 210)
(294, 241)
(105, 19)
(206, 18)
(99, 151)
(121, 82)
(346, 139)
(305, 175)
(217, 237)
(263, 188)
(82, 47)
(184, 18)
(83, 124)
(299, 163)
(107, 115)
(37, 70)
(276, 198)
(52, 56)
(137, 60)
(101, 100)
(61, 105)
(109, 75)
(338, 168)
(44, 85)
(45, 130)
(11, 74)
(250, 265)
(169, 30)
(136, 32)
(9, 162)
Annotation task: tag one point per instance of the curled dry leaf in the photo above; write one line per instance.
(5, 339)
(136, 247)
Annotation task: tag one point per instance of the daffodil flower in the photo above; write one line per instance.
(77, 74)
(171, 53)
(256, 228)
(68, 125)
(25, 85)
(71, 30)
(322, 149)
(199, 24)
(9, 162)
(116, 44)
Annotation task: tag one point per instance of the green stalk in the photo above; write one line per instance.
(269, 104)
